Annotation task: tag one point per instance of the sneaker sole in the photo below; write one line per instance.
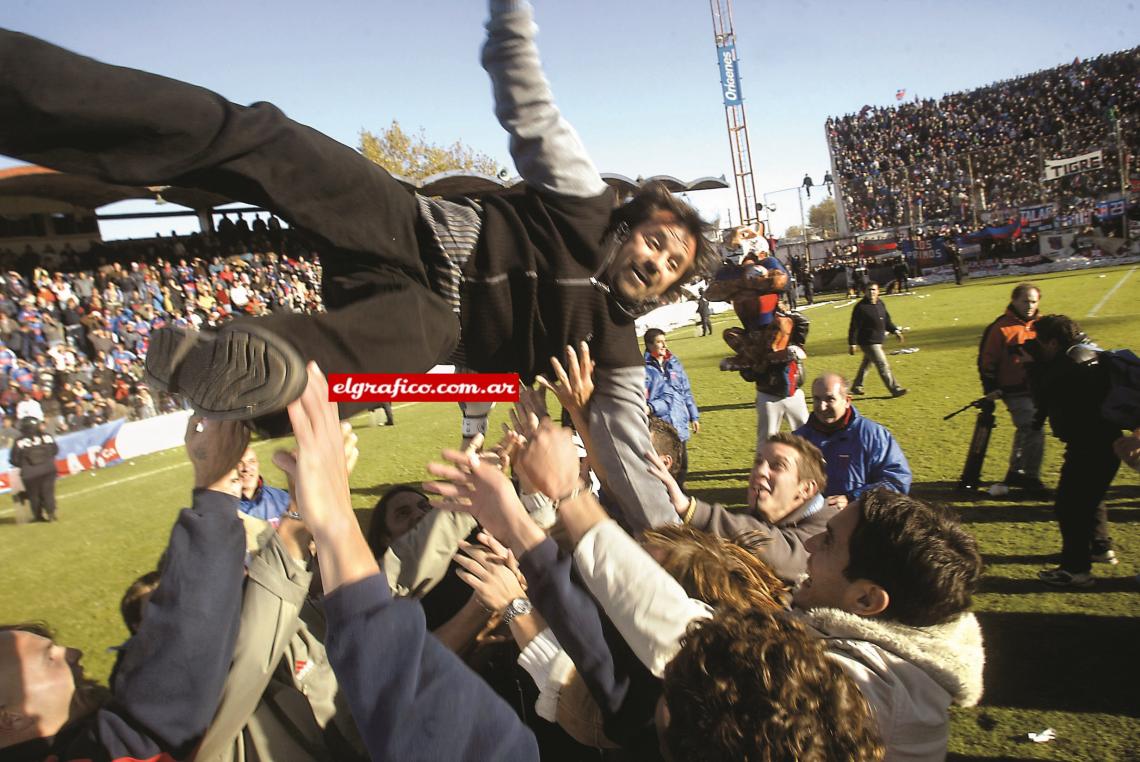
(236, 374)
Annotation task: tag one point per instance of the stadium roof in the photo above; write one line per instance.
(90, 193)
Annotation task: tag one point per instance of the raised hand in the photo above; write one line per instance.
(677, 496)
(214, 448)
(489, 575)
(573, 385)
(529, 412)
(474, 486)
(318, 469)
(550, 461)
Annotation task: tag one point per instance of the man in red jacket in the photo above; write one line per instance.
(1000, 367)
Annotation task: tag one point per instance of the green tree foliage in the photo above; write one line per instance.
(822, 216)
(412, 156)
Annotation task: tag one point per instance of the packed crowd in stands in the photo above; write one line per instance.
(73, 338)
(983, 149)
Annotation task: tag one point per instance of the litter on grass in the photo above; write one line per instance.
(1045, 736)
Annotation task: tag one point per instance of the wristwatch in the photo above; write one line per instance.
(516, 608)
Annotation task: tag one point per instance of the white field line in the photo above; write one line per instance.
(1104, 299)
(142, 475)
(112, 483)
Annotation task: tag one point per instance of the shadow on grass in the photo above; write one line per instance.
(1060, 662)
(708, 476)
(1032, 558)
(1010, 586)
(734, 406)
(730, 497)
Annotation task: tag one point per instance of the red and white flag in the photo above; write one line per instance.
(900, 94)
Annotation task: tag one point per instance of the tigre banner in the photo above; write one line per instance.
(1055, 169)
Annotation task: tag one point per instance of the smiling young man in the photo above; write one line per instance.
(784, 503)
(499, 284)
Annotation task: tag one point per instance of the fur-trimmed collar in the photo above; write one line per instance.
(950, 653)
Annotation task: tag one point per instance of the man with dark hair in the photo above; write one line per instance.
(1070, 383)
(889, 586)
(669, 395)
(870, 323)
(784, 504)
(525, 272)
(860, 453)
(1003, 375)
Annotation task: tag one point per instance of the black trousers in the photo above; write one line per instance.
(1086, 473)
(125, 126)
(41, 496)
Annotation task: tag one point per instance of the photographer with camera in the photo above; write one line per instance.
(1070, 378)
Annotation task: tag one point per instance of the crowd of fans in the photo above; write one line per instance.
(950, 158)
(73, 339)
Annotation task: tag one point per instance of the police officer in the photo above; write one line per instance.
(34, 454)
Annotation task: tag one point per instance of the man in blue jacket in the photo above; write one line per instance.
(668, 394)
(860, 453)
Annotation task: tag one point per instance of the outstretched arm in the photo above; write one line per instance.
(547, 151)
(619, 433)
(170, 678)
(400, 682)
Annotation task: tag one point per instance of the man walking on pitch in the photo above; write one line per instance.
(870, 323)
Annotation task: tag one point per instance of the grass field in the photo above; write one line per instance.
(1054, 659)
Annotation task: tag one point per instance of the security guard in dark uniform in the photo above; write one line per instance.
(34, 454)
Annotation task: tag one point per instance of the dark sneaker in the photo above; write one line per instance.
(899, 392)
(856, 390)
(1060, 578)
(238, 373)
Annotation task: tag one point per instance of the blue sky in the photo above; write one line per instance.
(637, 78)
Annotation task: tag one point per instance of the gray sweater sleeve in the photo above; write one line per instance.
(782, 549)
(547, 152)
(620, 433)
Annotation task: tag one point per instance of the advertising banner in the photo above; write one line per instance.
(1055, 169)
(1037, 218)
(729, 74)
(1108, 210)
